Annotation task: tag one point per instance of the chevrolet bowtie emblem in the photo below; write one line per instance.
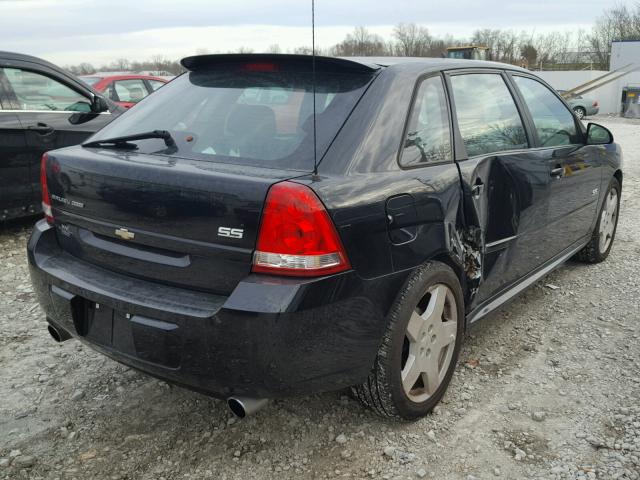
(125, 234)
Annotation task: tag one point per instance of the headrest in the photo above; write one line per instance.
(251, 119)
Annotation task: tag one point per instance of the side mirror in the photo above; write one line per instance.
(598, 135)
(99, 104)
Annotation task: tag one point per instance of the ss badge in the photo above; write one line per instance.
(230, 232)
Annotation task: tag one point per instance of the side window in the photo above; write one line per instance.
(428, 137)
(554, 122)
(487, 115)
(34, 91)
(155, 85)
(130, 90)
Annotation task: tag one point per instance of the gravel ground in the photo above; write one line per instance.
(547, 387)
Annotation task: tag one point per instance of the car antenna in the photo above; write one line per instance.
(313, 83)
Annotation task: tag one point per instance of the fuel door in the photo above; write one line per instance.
(402, 219)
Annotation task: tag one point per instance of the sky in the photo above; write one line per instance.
(69, 32)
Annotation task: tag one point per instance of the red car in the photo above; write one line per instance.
(125, 90)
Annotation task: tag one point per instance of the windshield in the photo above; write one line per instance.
(240, 117)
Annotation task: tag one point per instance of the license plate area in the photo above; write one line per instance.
(148, 339)
(97, 324)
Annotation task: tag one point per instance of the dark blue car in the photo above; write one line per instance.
(223, 237)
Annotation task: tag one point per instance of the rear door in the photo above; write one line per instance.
(15, 187)
(506, 185)
(575, 170)
(52, 114)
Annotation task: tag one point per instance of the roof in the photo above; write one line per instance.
(68, 77)
(123, 76)
(432, 63)
(28, 58)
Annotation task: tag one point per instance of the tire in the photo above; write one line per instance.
(432, 329)
(580, 112)
(599, 247)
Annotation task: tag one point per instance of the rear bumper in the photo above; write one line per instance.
(593, 110)
(270, 338)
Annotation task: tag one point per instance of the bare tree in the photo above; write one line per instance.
(81, 69)
(121, 64)
(411, 40)
(302, 51)
(529, 55)
(618, 23)
(159, 62)
(361, 43)
(275, 48)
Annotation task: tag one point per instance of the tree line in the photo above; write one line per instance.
(554, 50)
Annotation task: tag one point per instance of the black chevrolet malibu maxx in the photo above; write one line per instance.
(223, 237)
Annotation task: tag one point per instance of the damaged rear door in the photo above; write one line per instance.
(505, 185)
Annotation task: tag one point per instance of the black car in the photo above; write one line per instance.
(223, 237)
(41, 108)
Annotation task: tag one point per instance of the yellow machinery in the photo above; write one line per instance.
(468, 52)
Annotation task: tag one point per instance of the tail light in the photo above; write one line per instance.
(297, 237)
(46, 199)
(595, 103)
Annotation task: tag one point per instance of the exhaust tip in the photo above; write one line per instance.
(54, 333)
(242, 407)
(236, 407)
(58, 334)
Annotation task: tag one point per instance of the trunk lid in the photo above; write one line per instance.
(180, 222)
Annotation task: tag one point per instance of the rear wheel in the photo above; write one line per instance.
(580, 112)
(420, 347)
(598, 248)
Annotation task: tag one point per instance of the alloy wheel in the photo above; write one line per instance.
(608, 220)
(429, 343)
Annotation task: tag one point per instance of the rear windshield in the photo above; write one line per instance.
(244, 117)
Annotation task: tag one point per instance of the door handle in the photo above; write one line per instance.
(477, 189)
(41, 128)
(557, 172)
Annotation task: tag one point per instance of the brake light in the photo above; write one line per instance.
(595, 103)
(297, 237)
(260, 67)
(46, 200)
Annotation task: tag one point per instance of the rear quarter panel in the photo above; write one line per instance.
(360, 172)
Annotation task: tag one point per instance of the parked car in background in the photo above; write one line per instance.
(214, 238)
(42, 108)
(125, 90)
(582, 106)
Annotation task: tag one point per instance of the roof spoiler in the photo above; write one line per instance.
(323, 64)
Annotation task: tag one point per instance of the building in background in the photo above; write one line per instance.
(609, 96)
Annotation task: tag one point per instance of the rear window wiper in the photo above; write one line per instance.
(123, 142)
